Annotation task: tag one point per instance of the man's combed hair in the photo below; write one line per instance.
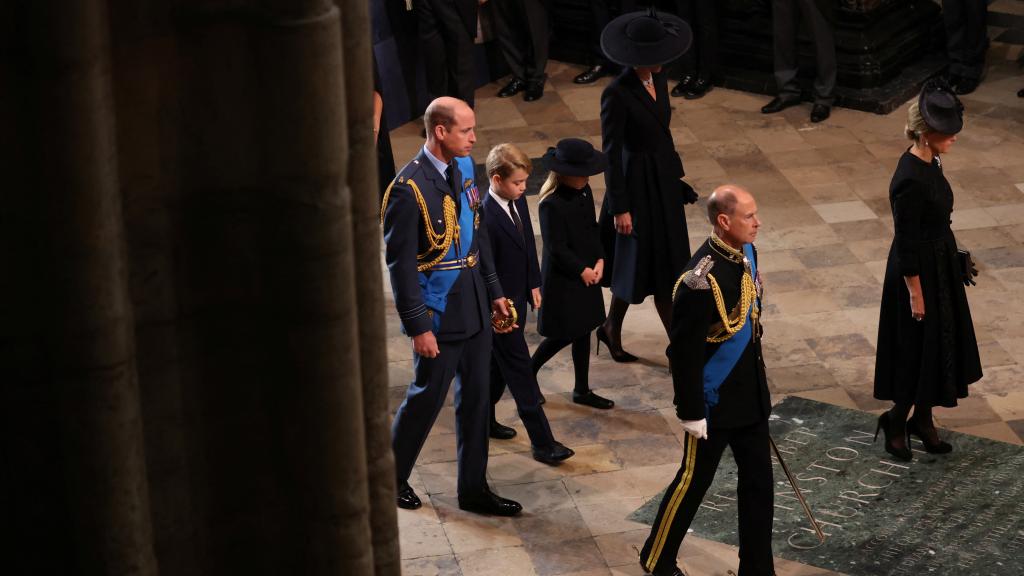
(721, 202)
(438, 114)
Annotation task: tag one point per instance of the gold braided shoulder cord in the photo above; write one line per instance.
(747, 297)
(438, 243)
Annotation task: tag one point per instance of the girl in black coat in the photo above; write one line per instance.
(573, 262)
(927, 352)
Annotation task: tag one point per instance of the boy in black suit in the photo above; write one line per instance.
(514, 249)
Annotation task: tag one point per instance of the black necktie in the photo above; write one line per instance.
(515, 217)
(449, 177)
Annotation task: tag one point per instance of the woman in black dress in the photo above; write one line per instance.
(927, 351)
(643, 225)
(573, 262)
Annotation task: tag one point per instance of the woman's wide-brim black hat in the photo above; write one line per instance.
(575, 157)
(941, 109)
(646, 38)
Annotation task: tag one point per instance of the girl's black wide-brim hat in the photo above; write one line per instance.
(575, 157)
(941, 109)
(646, 38)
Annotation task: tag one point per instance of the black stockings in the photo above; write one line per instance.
(580, 358)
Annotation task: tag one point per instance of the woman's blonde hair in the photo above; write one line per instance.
(916, 126)
(548, 186)
(504, 159)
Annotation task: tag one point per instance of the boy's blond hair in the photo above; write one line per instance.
(504, 159)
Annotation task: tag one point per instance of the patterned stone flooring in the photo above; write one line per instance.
(822, 192)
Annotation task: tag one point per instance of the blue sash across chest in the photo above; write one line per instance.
(721, 363)
(436, 285)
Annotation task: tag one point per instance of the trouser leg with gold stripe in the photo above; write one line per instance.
(686, 492)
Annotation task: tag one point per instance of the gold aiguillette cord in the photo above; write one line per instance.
(796, 490)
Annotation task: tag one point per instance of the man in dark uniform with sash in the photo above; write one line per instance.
(721, 392)
(445, 287)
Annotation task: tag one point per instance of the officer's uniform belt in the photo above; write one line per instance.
(469, 261)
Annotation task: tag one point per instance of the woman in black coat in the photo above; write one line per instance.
(643, 224)
(927, 352)
(573, 262)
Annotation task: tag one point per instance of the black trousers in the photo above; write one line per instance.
(510, 366)
(785, 19)
(470, 360)
(755, 498)
(966, 36)
(701, 60)
(522, 32)
(449, 55)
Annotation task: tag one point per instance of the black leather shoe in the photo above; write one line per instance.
(407, 498)
(592, 400)
(939, 447)
(684, 85)
(698, 89)
(1020, 93)
(820, 112)
(501, 432)
(534, 91)
(780, 103)
(488, 502)
(590, 76)
(553, 454)
(891, 430)
(966, 85)
(512, 88)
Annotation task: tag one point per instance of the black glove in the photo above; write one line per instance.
(689, 194)
(967, 268)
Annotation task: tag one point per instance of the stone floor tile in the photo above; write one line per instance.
(445, 565)
(843, 347)
(612, 514)
(1000, 431)
(564, 557)
(474, 532)
(836, 395)
(425, 540)
(497, 562)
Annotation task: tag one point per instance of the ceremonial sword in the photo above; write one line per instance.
(796, 490)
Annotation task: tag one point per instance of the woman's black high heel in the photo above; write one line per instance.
(619, 355)
(904, 454)
(939, 447)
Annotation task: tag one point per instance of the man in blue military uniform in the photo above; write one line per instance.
(444, 284)
(721, 392)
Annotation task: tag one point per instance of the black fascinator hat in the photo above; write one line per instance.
(941, 109)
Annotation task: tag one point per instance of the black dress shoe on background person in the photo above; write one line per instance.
(487, 502)
(552, 455)
(820, 112)
(407, 498)
(780, 103)
(514, 87)
(592, 400)
(966, 85)
(534, 91)
(698, 89)
(591, 75)
(675, 571)
(501, 432)
(684, 84)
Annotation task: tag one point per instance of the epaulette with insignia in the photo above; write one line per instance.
(404, 177)
(697, 278)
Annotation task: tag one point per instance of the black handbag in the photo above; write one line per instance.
(967, 268)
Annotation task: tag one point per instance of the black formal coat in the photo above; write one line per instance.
(515, 254)
(571, 243)
(743, 397)
(643, 178)
(467, 310)
(929, 363)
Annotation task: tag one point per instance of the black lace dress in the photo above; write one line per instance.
(928, 363)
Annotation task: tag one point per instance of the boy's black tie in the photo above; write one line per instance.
(515, 217)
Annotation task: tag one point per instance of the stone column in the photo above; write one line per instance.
(88, 390)
(366, 233)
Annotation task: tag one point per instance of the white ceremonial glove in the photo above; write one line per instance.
(696, 428)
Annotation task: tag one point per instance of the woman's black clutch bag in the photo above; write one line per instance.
(967, 269)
